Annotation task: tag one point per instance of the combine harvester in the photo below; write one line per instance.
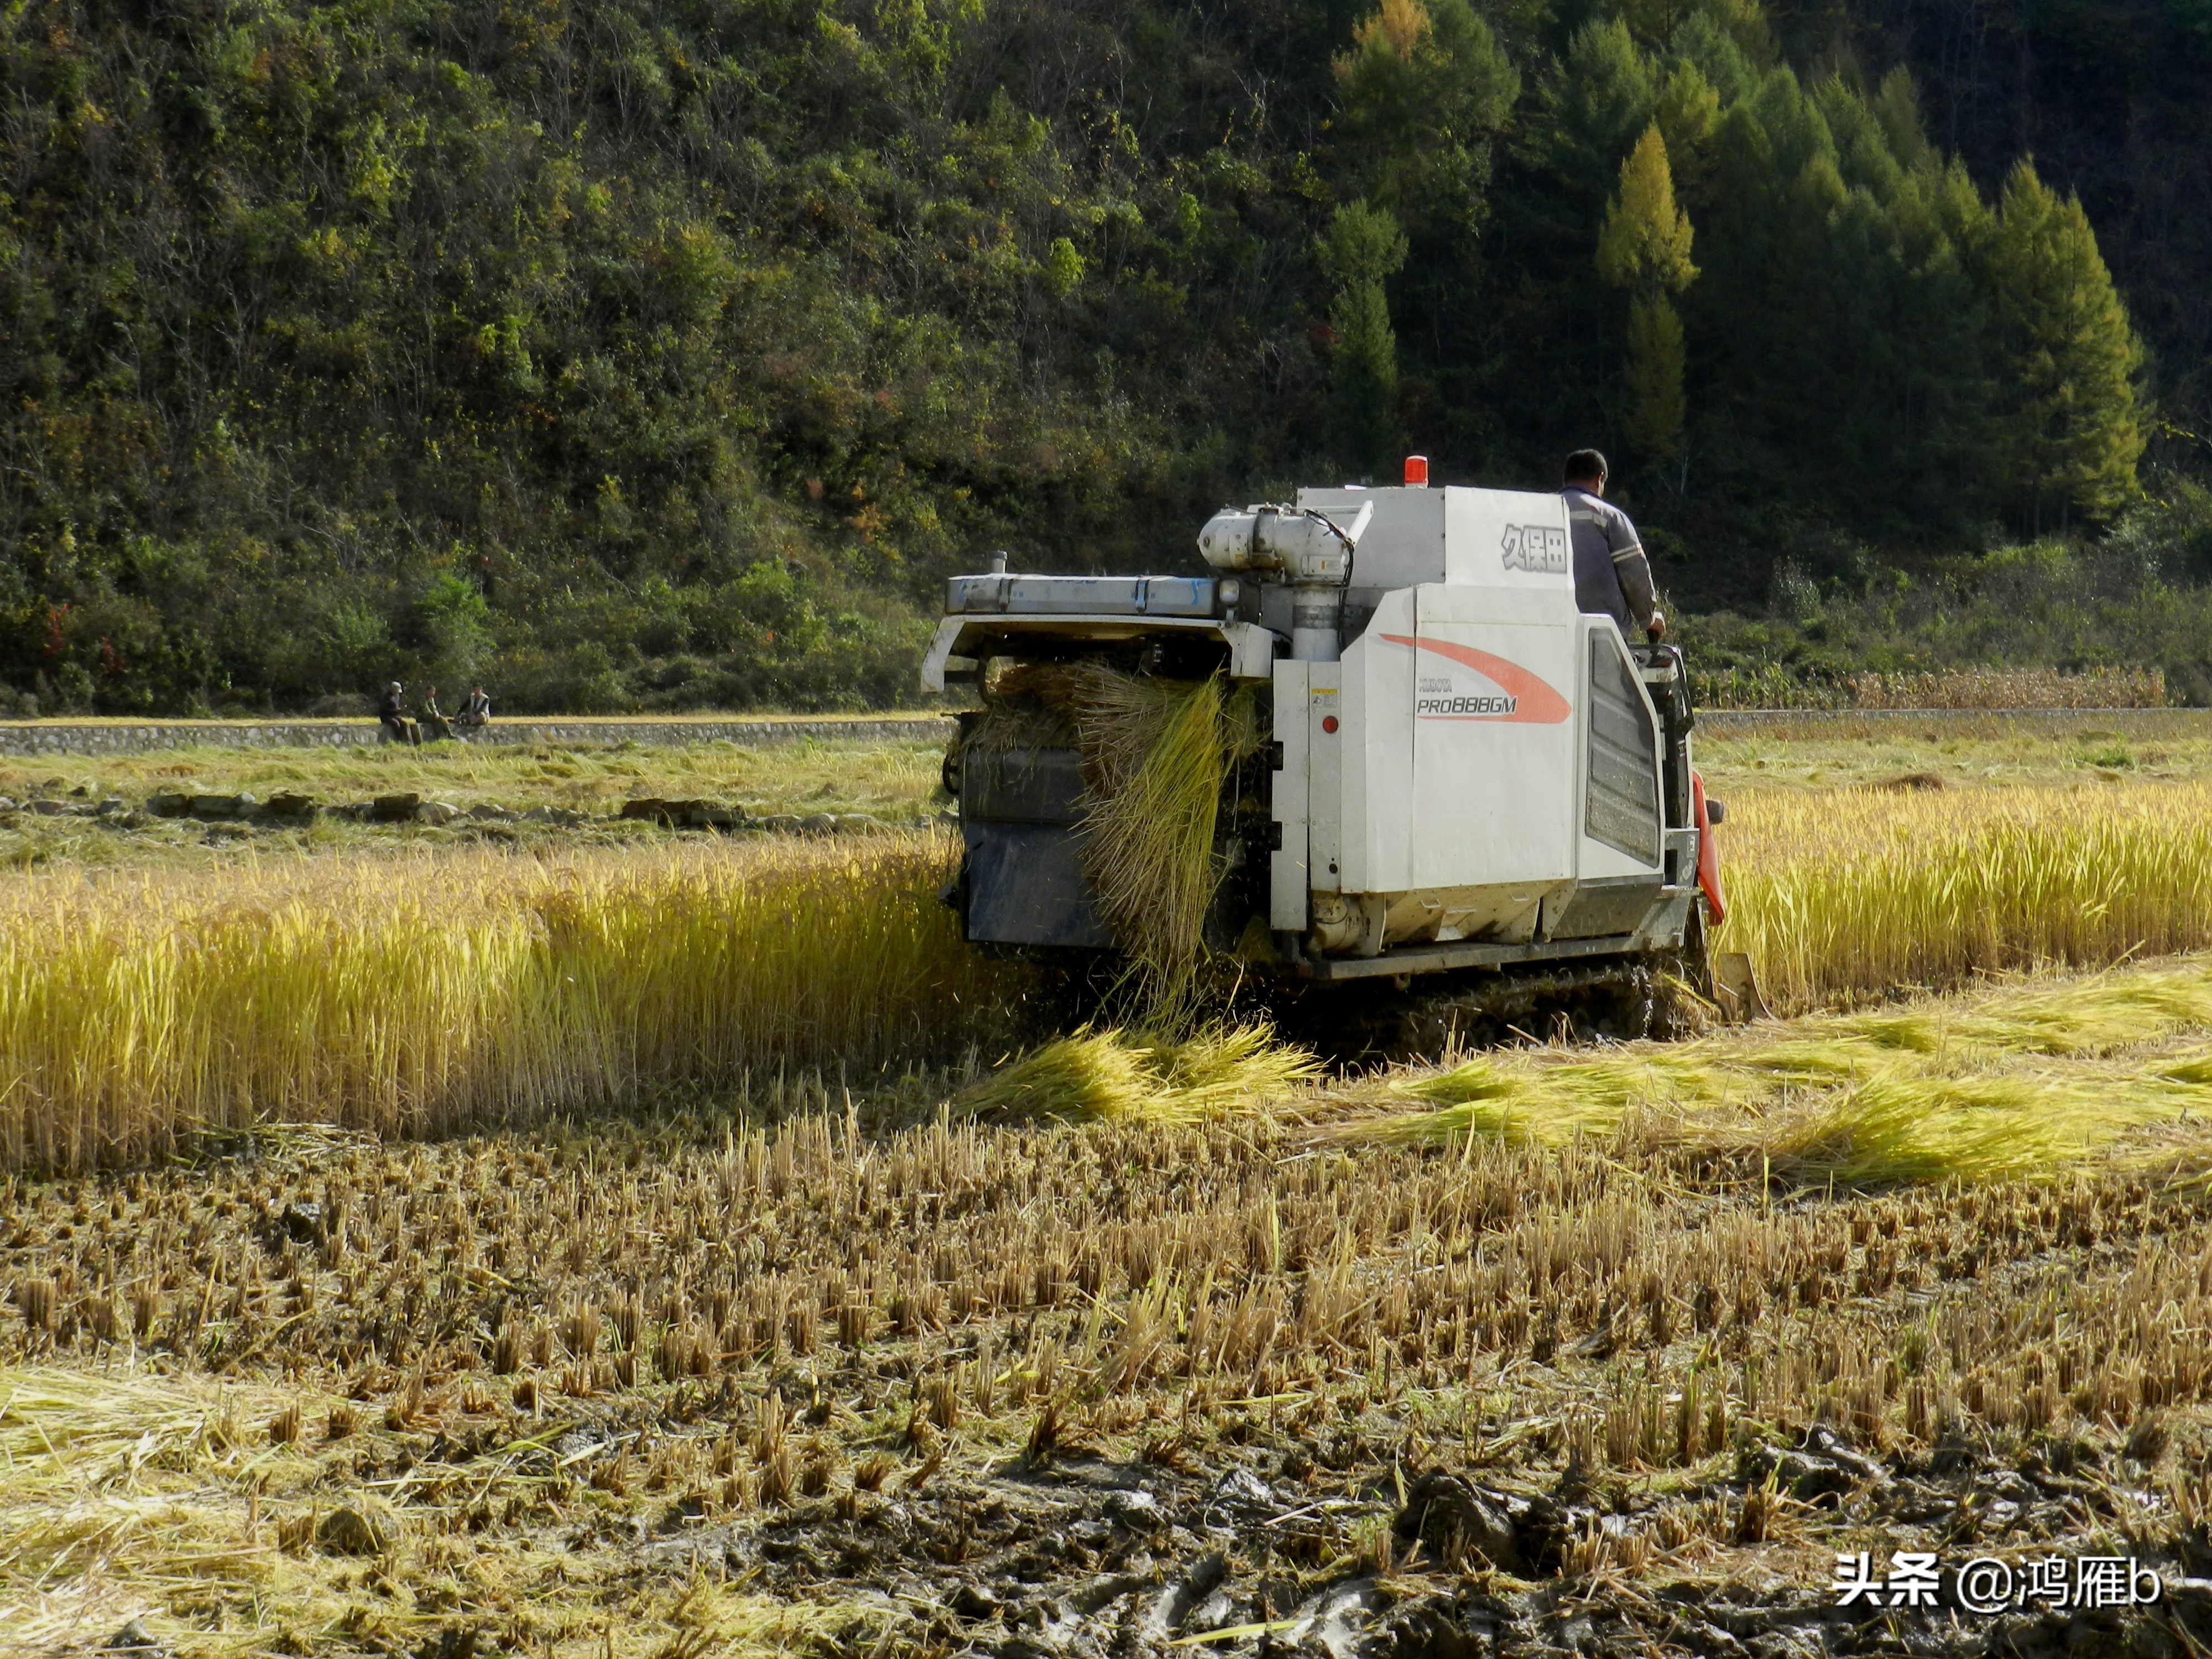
(1470, 802)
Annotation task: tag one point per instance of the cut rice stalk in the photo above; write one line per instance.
(1928, 1129)
(1110, 1074)
(1921, 1094)
(1155, 757)
(1155, 753)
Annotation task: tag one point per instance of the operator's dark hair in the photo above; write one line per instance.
(1586, 463)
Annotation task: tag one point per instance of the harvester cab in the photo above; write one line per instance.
(1451, 768)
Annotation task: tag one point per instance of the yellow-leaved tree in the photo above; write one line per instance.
(1643, 247)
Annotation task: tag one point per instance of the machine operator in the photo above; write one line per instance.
(1612, 577)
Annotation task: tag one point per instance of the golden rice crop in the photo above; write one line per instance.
(1846, 895)
(412, 997)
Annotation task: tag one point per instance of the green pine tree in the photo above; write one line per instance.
(1689, 115)
(1424, 90)
(1363, 249)
(2068, 356)
(1656, 362)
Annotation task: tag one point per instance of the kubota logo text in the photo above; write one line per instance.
(1535, 547)
(1520, 698)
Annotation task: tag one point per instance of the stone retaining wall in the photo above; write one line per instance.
(33, 737)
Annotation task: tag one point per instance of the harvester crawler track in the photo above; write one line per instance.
(1477, 1008)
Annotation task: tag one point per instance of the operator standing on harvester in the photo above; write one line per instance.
(1612, 577)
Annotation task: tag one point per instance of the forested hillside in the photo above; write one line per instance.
(639, 355)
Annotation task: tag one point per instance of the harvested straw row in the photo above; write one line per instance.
(226, 1518)
(1156, 1079)
(1930, 1093)
(411, 998)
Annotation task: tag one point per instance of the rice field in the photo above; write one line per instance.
(1289, 1359)
(419, 995)
(1852, 895)
(897, 783)
(416, 996)
(685, 1246)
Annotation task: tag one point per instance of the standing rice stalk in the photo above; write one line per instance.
(413, 997)
(1839, 895)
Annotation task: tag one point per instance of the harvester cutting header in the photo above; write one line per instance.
(1423, 757)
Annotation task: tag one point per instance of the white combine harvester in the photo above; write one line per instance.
(1467, 775)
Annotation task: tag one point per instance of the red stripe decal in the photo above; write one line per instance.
(1535, 702)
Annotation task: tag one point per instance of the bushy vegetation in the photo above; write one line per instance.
(643, 357)
(2134, 598)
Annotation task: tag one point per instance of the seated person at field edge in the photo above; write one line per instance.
(392, 713)
(434, 725)
(475, 712)
(1612, 577)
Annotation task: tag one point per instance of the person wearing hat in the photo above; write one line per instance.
(393, 713)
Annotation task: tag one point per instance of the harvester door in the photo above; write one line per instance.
(1372, 752)
(1493, 742)
(1622, 822)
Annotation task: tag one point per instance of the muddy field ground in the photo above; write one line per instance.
(819, 1368)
